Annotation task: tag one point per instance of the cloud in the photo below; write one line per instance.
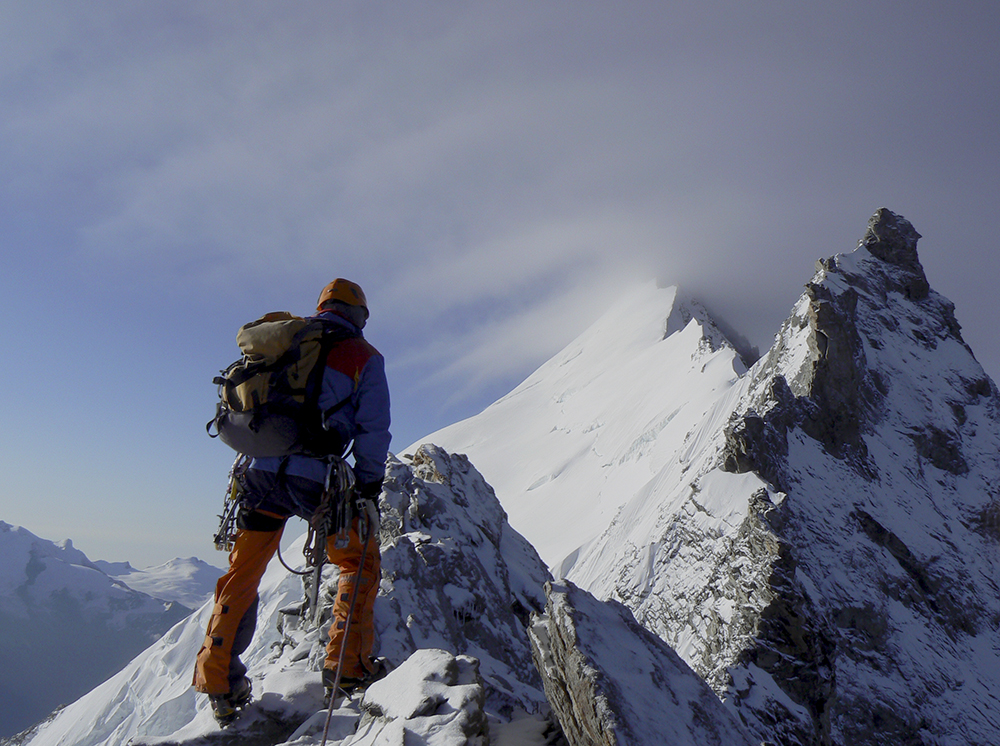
(474, 165)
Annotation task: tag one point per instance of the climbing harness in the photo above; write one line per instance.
(333, 517)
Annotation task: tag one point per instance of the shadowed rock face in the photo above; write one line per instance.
(610, 681)
(893, 239)
(847, 311)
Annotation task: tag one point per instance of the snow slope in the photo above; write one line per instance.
(587, 430)
(188, 581)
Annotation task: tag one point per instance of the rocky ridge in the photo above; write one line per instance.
(824, 550)
(612, 682)
(456, 578)
(819, 546)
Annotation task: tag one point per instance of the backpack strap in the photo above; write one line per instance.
(326, 413)
(333, 334)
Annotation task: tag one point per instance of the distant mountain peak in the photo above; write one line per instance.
(574, 438)
(66, 625)
(686, 308)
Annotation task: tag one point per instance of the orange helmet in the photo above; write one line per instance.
(344, 291)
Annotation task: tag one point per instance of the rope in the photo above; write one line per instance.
(226, 534)
(285, 565)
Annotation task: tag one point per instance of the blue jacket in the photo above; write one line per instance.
(355, 371)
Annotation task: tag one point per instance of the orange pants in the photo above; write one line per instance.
(367, 572)
(234, 617)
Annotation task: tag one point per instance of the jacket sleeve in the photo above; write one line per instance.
(371, 420)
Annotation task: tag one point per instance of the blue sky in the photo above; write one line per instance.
(493, 174)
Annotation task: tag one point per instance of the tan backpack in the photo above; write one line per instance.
(269, 398)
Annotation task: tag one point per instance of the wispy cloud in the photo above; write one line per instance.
(475, 166)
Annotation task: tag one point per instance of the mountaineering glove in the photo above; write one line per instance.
(367, 505)
(370, 490)
(373, 520)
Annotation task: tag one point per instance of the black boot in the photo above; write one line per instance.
(348, 684)
(225, 706)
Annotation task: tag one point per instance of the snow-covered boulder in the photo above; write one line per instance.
(434, 697)
(611, 681)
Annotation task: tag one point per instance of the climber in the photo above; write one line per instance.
(356, 396)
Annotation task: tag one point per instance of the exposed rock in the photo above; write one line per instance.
(610, 681)
(893, 239)
(884, 383)
(456, 576)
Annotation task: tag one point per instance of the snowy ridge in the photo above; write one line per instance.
(66, 626)
(824, 550)
(826, 518)
(613, 681)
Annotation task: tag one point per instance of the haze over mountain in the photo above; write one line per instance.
(587, 430)
(815, 537)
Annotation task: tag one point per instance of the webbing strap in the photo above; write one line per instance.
(336, 407)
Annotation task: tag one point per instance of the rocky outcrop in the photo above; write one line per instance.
(819, 376)
(612, 682)
(872, 420)
(456, 578)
